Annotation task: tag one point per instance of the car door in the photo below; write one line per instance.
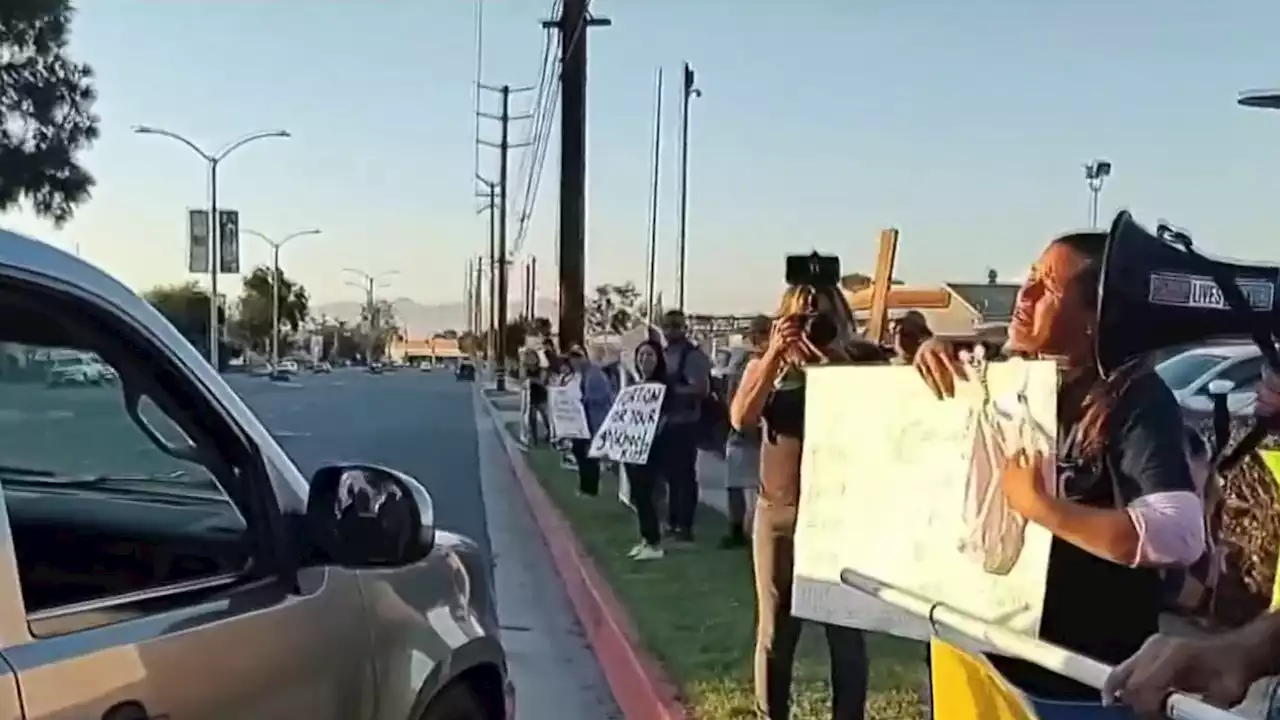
(191, 611)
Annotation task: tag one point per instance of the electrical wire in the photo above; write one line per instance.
(538, 149)
(475, 170)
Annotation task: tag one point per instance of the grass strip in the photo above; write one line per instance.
(695, 612)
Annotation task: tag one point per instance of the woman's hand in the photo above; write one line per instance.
(785, 336)
(936, 362)
(1216, 668)
(1268, 403)
(1022, 484)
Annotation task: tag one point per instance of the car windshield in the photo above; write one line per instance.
(1179, 372)
(81, 428)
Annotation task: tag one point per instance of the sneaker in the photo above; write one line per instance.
(636, 550)
(682, 538)
(648, 552)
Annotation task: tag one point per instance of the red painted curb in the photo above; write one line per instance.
(639, 685)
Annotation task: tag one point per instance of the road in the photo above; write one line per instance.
(423, 424)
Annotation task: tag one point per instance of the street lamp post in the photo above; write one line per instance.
(213, 160)
(1095, 174)
(275, 283)
(368, 283)
(690, 91)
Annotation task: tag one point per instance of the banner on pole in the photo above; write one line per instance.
(198, 241)
(627, 432)
(229, 242)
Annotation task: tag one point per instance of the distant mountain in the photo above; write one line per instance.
(421, 320)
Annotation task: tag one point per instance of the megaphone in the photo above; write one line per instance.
(1157, 291)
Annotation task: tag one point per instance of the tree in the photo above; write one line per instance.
(186, 307)
(515, 334)
(469, 344)
(614, 309)
(46, 110)
(255, 306)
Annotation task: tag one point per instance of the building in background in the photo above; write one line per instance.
(958, 309)
(434, 350)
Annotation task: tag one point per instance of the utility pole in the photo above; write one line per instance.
(469, 313)
(491, 194)
(533, 288)
(504, 147)
(689, 92)
(477, 320)
(574, 22)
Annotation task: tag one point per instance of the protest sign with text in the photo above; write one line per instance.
(627, 432)
(568, 417)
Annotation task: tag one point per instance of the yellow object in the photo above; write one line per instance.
(1271, 458)
(967, 687)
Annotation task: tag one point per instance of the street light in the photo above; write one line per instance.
(275, 283)
(369, 283)
(213, 159)
(1095, 174)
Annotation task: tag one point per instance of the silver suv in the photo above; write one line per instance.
(161, 556)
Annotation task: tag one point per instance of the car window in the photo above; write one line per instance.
(1243, 374)
(1179, 372)
(102, 504)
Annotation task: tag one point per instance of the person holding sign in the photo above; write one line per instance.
(651, 367)
(597, 397)
(1126, 506)
(814, 325)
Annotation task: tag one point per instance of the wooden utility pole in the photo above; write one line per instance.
(504, 146)
(477, 319)
(532, 294)
(491, 194)
(574, 22)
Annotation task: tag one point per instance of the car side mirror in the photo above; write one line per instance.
(369, 516)
(1221, 386)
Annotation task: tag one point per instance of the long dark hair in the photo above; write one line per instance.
(659, 370)
(1098, 394)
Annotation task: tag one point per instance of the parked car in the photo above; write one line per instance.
(198, 573)
(1189, 373)
(288, 366)
(376, 368)
(426, 366)
(321, 368)
(73, 369)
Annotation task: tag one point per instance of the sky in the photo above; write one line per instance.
(963, 124)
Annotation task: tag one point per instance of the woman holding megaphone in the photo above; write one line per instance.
(1126, 507)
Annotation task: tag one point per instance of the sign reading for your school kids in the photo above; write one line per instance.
(627, 432)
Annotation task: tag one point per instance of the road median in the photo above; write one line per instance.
(684, 626)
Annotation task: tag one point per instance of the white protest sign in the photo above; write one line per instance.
(568, 417)
(886, 496)
(627, 431)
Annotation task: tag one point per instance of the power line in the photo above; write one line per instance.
(475, 170)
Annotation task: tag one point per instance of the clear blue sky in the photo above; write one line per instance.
(962, 123)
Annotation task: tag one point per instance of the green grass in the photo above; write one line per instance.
(695, 612)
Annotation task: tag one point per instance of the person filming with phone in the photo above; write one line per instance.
(814, 326)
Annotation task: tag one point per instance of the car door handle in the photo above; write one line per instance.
(130, 710)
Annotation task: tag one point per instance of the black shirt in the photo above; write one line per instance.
(1093, 606)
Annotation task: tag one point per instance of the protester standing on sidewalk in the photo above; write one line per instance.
(536, 379)
(1127, 508)
(597, 398)
(742, 451)
(771, 396)
(688, 384)
(651, 367)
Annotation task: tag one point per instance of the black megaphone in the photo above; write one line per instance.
(1157, 291)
